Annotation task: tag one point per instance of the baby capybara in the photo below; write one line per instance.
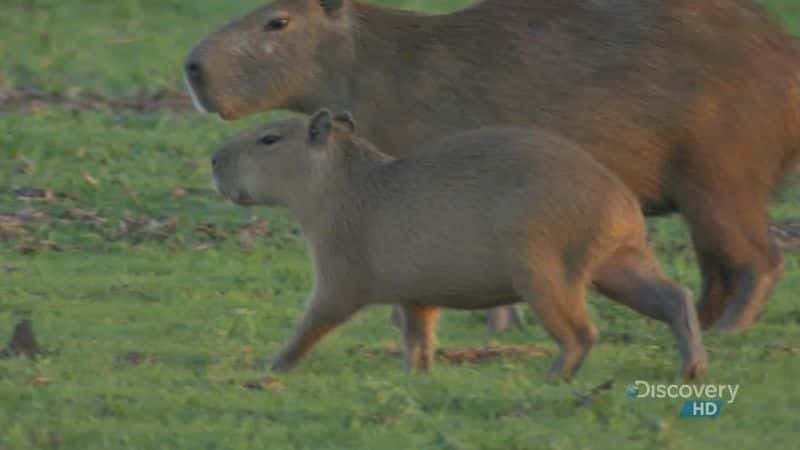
(489, 217)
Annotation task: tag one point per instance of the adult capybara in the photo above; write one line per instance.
(695, 105)
(508, 214)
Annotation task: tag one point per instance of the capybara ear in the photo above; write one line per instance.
(346, 119)
(331, 7)
(319, 127)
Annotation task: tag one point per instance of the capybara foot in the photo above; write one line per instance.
(731, 325)
(559, 373)
(276, 367)
(745, 310)
(280, 364)
(567, 363)
(695, 369)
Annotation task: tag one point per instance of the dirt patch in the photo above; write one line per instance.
(266, 383)
(23, 229)
(18, 228)
(38, 380)
(782, 347)
(32, 100)
(460, 355)
(786, 233)
(252, 231)
(140, 229)
(137, 359)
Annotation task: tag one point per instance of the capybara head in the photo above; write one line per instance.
(285, 161)
(267, 58)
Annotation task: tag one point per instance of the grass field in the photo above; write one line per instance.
(157, 303)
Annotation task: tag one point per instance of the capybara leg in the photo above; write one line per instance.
(498, 320)
(321, 317)
(633, 278)
(562, 311)
(419, 333)
(396, 317)
(740, 262)
(503, 318)
(714, 289)
(753, 288)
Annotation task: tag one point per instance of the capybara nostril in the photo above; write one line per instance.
(214, 161)
(193, 69)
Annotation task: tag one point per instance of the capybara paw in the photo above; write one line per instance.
(732, 323)
(558, 373)
(695, 370)
(279, 365)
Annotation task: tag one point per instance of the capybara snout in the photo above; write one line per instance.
(483, 218)
(225, 72)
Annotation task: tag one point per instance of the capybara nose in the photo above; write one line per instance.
(193, 69)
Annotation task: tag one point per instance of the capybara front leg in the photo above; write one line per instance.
(561, 309)
(419, 333)
(322, 317)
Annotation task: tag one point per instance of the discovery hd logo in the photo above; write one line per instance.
(700, 400)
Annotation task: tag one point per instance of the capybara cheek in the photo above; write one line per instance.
(231, 104)
(230, 114)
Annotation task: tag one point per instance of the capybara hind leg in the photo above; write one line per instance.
(419, 333)
(732, 239)
(321, 317)
(396, 316)
(753, 288)
(633, 278)
(562, 311)
(714, 289)
(503, 318)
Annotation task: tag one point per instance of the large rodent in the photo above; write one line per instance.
(485, 218)
(695, 105)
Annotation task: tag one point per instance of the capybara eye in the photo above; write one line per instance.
(277, 24)
(270, 139)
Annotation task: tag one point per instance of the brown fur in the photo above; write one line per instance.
(481, 219)
(695, 105)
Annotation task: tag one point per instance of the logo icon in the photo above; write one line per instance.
(632, 390)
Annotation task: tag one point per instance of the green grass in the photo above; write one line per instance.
(203, 305)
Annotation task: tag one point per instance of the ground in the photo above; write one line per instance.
(156, 303)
